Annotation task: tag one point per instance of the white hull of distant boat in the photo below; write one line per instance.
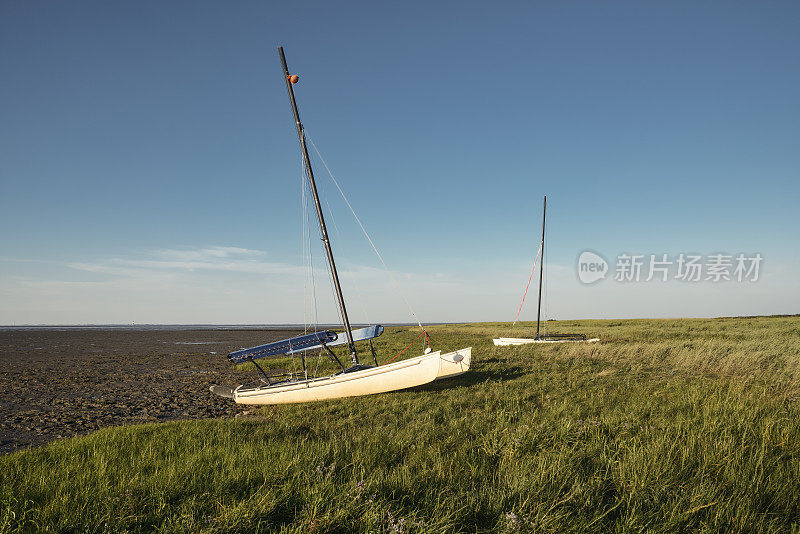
(546, 338)
(506, 341)
(400, 375)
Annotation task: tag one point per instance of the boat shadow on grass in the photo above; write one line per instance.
(470, 378)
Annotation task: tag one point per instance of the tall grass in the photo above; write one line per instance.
(666, 426)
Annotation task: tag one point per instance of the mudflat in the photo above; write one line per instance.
(58, 382)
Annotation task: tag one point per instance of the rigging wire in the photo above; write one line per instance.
(302, 255)
(333, 291)
(303, 245)
(333, 295)
(303, 137)
(535, 261)
(308, 254)
(308, 271)
(374, 248)
(308, 258)
(545, 300)
(427, 342)
(351, 276)
(311, 275)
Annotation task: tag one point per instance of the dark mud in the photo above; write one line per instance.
(59, 382)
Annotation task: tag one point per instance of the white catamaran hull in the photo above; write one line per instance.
(400, 375)
(505, 341)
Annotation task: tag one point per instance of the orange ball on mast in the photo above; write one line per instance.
(294, 78)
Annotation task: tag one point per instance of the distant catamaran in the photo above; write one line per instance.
(357, 378)
(540, 337)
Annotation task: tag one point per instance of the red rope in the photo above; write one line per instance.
(424, 333)
(527, 286)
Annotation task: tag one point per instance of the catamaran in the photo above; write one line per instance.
(357, 378)
(540, 337)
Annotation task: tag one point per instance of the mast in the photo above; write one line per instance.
(301, 134)
(541, 271)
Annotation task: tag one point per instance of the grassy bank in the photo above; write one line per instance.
(668, 425)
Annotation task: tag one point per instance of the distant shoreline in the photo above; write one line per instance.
(296, 326)
(180, 327)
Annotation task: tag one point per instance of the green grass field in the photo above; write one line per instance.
(665, 426)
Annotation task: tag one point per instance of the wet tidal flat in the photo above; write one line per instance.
(59, 382)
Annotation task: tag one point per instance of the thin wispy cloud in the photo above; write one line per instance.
(229, 259)
(218, 284)
(207, 253)
(230, 285)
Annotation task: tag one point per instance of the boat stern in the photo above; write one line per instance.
(454, 363)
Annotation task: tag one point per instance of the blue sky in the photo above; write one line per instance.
(149, 169)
